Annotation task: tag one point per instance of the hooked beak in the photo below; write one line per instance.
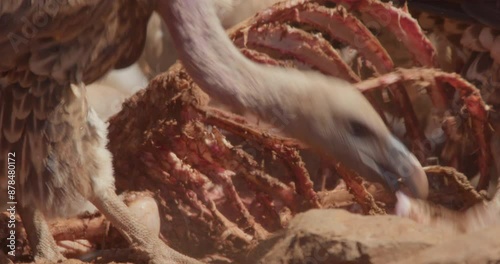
(399, 167)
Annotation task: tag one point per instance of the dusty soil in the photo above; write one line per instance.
(336, 236)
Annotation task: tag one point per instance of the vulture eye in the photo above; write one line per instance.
(359, 130)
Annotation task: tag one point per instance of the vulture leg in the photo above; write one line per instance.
(103, 196)
(134, 231)
(41, 241)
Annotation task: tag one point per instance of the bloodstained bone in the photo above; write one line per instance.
(401, 24)
(312, 50)
(285, 150)
(361, 195)
(336, 23)
(264, 58)
(470, 95)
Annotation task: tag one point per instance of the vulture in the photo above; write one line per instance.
(55, 145)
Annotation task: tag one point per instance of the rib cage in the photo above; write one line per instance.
(197, 155)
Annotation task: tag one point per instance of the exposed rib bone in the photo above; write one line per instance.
(361, 195)
(469, 94)
(337, 23)
(312, 50)
(264, 58)
(401, 24)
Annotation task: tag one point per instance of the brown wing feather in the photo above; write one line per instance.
(46, 46)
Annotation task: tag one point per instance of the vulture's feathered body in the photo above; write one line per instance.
(50, 49)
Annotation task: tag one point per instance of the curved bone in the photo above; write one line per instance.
(337, 23)
(401, 24)
(472, 99)
(311, 50)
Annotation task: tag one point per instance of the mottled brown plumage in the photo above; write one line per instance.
(45, 119)
(49, 51)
